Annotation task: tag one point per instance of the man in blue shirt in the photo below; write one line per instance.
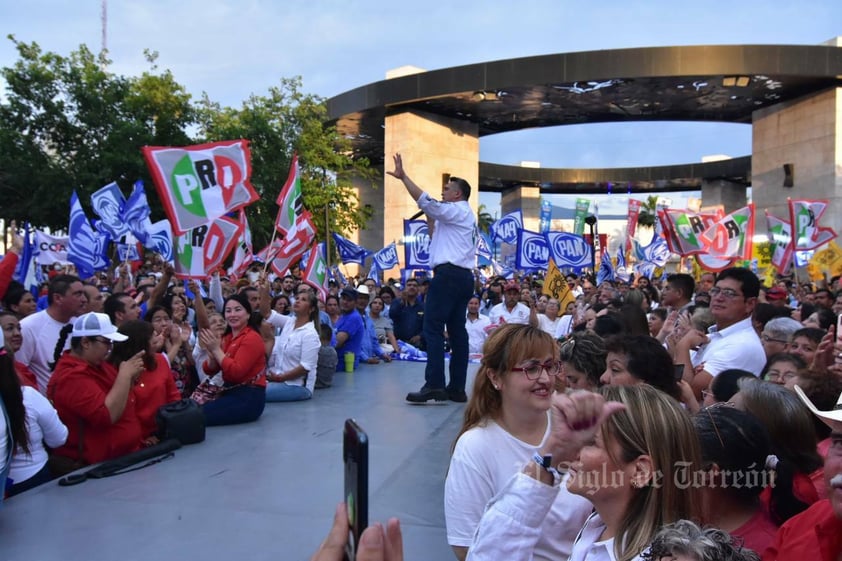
(349, 328)
(369, 348)
(407, 314)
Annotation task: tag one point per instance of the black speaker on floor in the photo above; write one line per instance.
(789, 175)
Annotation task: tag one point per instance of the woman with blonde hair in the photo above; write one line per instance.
(507, 419)
(631, 450)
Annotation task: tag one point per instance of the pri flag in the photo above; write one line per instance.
(109, 204)
(293, 246)
(631, 223)
(533, 252)
(507, 227)
(386, 258)
(205, 247)
(780, 236)
(243, 253)
(731, 236)
(686, 229)
(555, 286)
(804, 216)
(349, 252)
(416, 244)
(290, 200)
(198, 184)
(86, 249)
(316, 273)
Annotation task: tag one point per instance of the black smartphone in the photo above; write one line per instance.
(355, 458)
(678, 373)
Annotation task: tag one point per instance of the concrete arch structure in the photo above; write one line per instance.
(790, 94)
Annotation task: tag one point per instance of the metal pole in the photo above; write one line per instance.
(327, 234)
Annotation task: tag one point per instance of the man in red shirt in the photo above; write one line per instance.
(816, 533)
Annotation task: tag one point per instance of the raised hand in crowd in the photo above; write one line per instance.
(825, 355)
(376, 543)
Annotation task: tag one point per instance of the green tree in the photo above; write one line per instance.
(68, 123)
(648, 213)
(484, 219)
(285, 121)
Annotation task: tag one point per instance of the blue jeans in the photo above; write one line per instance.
(239, 405)
(281, 391)
(445, 306)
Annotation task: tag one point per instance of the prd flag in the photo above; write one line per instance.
(198, 184)
(555, 286)
(731, 236)
(205, 247)
(316, 273)
(780, 236)
(86, 248)
(290, 201)
(804, 215)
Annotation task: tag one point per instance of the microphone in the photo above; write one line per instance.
(416, 215)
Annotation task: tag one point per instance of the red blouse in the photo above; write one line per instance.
(153, 389)
(245, 358)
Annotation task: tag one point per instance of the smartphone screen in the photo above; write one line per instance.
(839, 329)
(355, 458)
(679, 371)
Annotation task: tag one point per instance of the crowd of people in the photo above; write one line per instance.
(645, 420)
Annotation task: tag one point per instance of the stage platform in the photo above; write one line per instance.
(263, 491)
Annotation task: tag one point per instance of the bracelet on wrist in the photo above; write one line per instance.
(546, 463)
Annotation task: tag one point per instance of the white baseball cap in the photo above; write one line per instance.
(829, 417)
(94, 324)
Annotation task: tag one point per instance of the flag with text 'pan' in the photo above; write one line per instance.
(198, 184)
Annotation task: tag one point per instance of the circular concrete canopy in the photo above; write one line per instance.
(700, 83)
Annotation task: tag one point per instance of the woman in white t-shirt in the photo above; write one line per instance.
(291, 370)
(507, 419)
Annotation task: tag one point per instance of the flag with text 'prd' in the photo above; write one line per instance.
(86, 248)
(293, 246)
(416, 239)
(804, 216)
(198, 184)
(316, 273)
(290, 200)
(780, 236)
(386, 258)
(555, 286)
(349, 252)
(731, 236)
(507, 227)
(533, 252)
(204, 248)
(109, 205)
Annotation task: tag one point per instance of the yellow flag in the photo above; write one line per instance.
(555, 286)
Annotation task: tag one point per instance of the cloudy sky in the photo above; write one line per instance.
(232, 48)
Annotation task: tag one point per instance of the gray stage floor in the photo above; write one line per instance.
(261, 491)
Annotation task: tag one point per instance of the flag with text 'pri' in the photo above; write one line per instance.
(316, 273)
(780, 236)
(290, 200)
(293, 246)
(804, 216)
(198, 184)
(731, 236)
(204, 248)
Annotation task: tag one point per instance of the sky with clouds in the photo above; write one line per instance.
(233, 48)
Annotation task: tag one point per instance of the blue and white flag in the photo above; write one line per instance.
(507, 227)
(483, 249)
(622, 272)
(386, 258)
(533, 252)
(606, 269)
(657, 252)
(416, 238)
(337, 276)
(546, 217)
(26, 272)
(374, 273)
(644, 269)
(136, 213)
(569, 250)
(109, 205)
(159, 239)
(349, 252)
(127, 252)
(86, 248)
(502, 270)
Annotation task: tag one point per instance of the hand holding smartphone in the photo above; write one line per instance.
(355, 458)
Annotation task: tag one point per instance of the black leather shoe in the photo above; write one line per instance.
(425, 394)
(459, 396)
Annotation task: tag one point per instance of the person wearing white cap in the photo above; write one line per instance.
(816, 533)
(93, 398)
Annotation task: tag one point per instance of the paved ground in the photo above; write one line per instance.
(261, 491)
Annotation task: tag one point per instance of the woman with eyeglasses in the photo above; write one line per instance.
(629, 450)
(783, 368)
(506, 420)
(93, 398)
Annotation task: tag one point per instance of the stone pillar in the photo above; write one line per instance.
(527, 199)
(433, 148)
(720, 192)
(806, 133)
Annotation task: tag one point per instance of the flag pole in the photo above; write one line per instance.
(269, 255)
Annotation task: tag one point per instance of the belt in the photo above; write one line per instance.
(437, 267)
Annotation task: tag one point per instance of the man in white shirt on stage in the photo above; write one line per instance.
(453, 241)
